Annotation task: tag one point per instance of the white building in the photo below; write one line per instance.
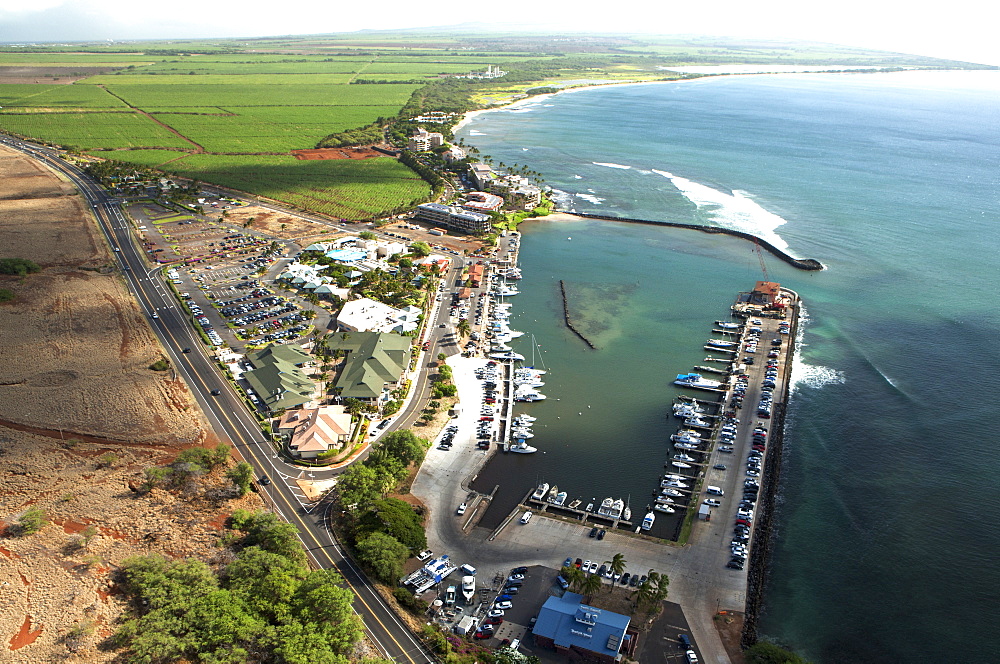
(424, 140)
(455, 217)
(367, 315)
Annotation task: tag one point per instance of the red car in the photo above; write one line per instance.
(496, 620)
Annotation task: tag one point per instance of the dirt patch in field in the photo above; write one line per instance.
(337, 153)
(77, 349)
(282, 225)
(57, 579)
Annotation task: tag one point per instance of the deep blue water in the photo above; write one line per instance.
(887, 530)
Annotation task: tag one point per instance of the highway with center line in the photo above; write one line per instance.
(228, 414)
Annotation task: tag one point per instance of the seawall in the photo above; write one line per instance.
(569, 323)
(801, 263)
(760, 553)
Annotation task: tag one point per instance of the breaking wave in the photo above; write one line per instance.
(734, 210)
(610, 165)
(596, 200)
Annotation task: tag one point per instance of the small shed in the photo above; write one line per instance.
(704, 512)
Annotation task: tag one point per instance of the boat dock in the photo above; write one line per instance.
(573, 512)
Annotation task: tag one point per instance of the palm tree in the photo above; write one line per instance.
(575, 576)
(617, 565)
(643, 595)
(591, 585)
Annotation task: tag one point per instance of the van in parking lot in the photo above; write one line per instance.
(715, 490)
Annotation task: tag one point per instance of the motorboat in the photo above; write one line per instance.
(727, 325)
(617, 507)
(529, 394)
(647, 521)
(672, 492)
(679, 478)
(521, 447)
(683, 457)
(696, 421)
(522, 433)
(696, 380)
(687, 446)
(680, 464)
(683, 434)
(687, 410)
(552, 493)
(468, 588)
(673, 484)
(590, 507)
(541, 491)
(524, 417)
(560, 498)
(509, 356)
(664, 500)
(663, 508)
(718, 343)
(605, 508)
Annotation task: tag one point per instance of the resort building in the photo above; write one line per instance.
(583, 632)
(424, 140)
(367, 315)
(481, 174)
(453, 153)
(374, 365)
(454, 218)
(480, 201)
(314, 431)
(517, 191)
(491, 72)
(277, 376)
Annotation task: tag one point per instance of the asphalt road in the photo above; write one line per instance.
(228, 415)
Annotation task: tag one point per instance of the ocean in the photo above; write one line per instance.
(887, 518)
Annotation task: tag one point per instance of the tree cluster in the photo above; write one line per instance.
(385, 531)
(22, 267)
(264, 606)
(189, 465)
(368, 135)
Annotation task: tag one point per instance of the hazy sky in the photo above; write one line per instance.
(959, 29)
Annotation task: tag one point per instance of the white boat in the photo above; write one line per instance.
(524, 417)
(541, 491)
(647, 521)
(590, 507)
(687, 446)
(727, 326)
(672, 492)
(505, 291)
(664, 500)
(605, 508)
(696, 380)
(683, 457)
(679, 478)
(696, 421)
(680, 464)
(718, 343)
(521, 434)
(468, 588)
(686, 433)
(686, 410)
(508, 357)
(560, 498)
(552, 493)
(528, 394)
(617, 508)
(627, 513)
(520, 447)
(673, 484)
(663, 508)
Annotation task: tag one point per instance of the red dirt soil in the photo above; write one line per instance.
(336, 153)
(24, 636)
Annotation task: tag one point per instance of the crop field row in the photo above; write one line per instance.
(183, 80)
(166, 95)
(93, 130)
(349, 189)
(56, 96)
(271, 129)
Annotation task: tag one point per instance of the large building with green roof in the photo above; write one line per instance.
(374, 360)
(277, 376)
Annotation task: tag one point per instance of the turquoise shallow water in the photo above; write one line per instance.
(887, 531)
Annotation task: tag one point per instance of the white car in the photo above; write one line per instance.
(461, 509)
(495, 613)
(526, 518)
(712, 502)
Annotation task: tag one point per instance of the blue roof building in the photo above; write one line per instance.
(567, 624)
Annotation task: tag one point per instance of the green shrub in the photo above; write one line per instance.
(160, 365)
(18, 266)
(6, 295)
